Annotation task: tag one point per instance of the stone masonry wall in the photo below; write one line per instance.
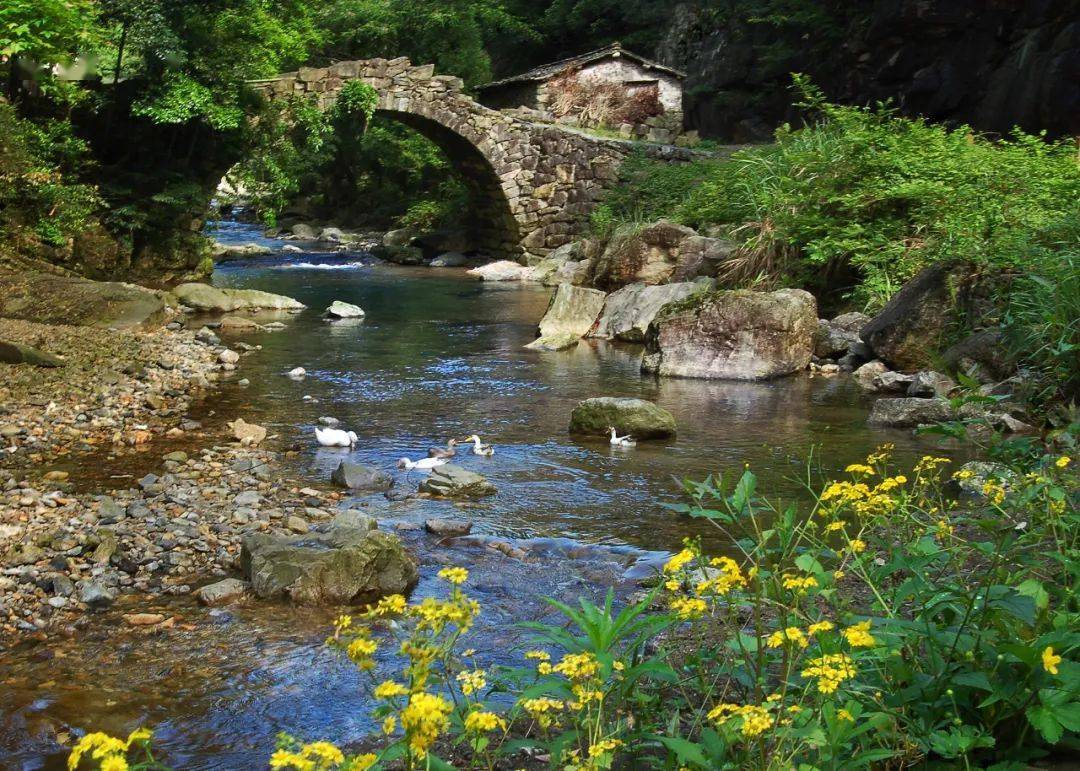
(534, 184)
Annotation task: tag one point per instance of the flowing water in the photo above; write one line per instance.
(438, 355)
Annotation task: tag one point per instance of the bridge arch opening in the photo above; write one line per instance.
(488, 224)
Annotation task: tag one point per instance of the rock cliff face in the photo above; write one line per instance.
(993, 64)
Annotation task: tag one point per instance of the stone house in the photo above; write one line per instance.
(610, 87)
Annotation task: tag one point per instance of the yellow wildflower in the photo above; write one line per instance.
(98, 745)
(388, 689)
(800, 584)
(324, 752)
(843, 714)
(820, 626)
(857, 545)
(391, 605)
(543, 710)
(830, 671)
(994, 492)
(832, 527)
(113, 763)
(755, 719)
(688, 608)
(604, 747)
(963, 474)
(1050, 661)
(858, 635)
(679, 561)
(791, 634)
(544, 668)
(483, 722)
(456, 576)
(360, 650)
(859, 468)
(343, 622)
(293, 760)
(363, 762)
(471, 682)
(424, 717)
(730, 577)
(930, 463)
(838, 574)
(538, 655)
(1063, 461)
(389, 725)
(578, 666)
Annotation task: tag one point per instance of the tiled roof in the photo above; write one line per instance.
(546, 71)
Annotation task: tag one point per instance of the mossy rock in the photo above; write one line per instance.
(637, 417)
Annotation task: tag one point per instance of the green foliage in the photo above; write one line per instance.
(180, 99)
(449, 34)
(39, 187)
(649, 190)
(1042, 318)
(45, 31)
(888, 195)
(357, 98)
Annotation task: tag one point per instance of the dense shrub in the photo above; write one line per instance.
(867, 189)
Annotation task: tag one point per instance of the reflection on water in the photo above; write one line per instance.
(437, 356)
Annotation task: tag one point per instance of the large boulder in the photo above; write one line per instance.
(733, 335)
(980, 355)
(451, 481)
(304, 231)
(51, 299)
(400, 255)
(342, 565)
(15, 353)
(637, 417)
(908, 332)
(203, 297)
(400, 237)
(908, 412)
(647, 255)
(355, 476)
(573, 272)
(701, 256)
(573, 310)
(629, 311)
(834, 338)
(501, 270)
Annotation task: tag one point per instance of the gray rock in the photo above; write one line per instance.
(628, 312)
(836, 337)
(247, 498)
(222, 592)
(328, 421)
(928, 383)
(560, 341)
(95, 594)
(451, 481)
(866, 376)
(635, 254)
(342, 565)
(448, 527)
(400, 237)
(354, 476)
(352, 518)
(450, 260)
(209, 298)
(501, 270)
(106, 547)
(637, 417)
(344, 310)
(733, 335)
(228, 357)
(908, 331)
(905, 412)
(297, 524)
(978, 473)
(304, 231)
(15, 353)
(893, 382)
(400, 255)
(573, 310)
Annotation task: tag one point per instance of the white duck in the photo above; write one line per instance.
(621, 441)
(479, 448)
(424, 464)
(335, 437)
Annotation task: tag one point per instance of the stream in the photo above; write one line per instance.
(438, 355)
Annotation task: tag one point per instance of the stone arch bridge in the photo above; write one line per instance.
(532, 185)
